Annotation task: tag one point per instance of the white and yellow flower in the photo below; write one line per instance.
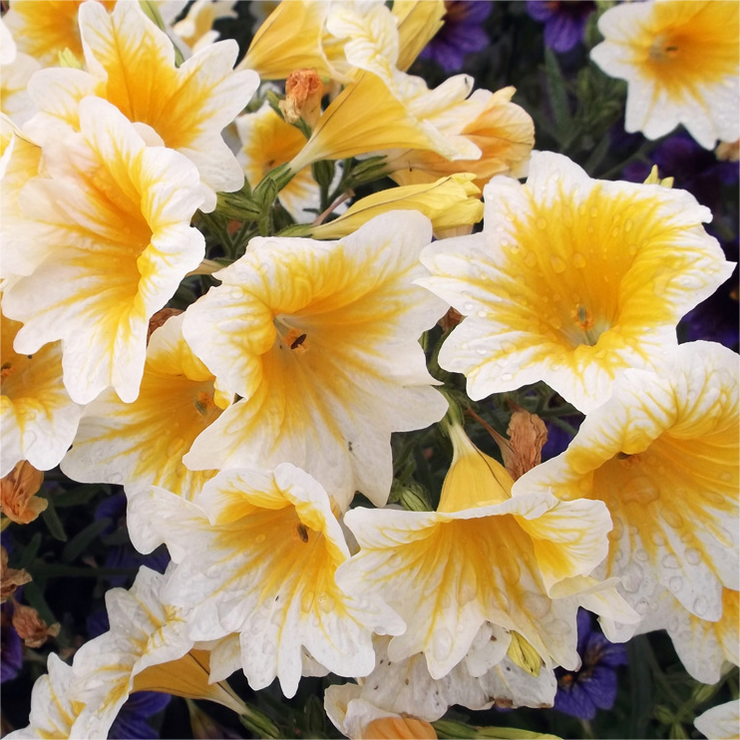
(142, 443)
(492, 552)
(17, 69)
(572, 281)
(145, 649)
(320, 342)
(662, 454)
(131, 63)
(257, 554)
(53, 708)
(680, 61)
(115, 217)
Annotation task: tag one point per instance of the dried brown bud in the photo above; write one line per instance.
(450, 320)
(17, 490)
(30, 627)
(303, 92)
(10, 578)
(527, 436)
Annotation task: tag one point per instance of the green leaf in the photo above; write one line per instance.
(33, 594)
(29, 552)
(80, 542)
(52, 520)
(641, 686)
(80, 495)
(557, 93)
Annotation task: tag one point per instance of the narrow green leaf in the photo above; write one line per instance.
(75, 547)
(52, 520)
(80, 495)
(35, 598)
(557, 93)
(29, 552)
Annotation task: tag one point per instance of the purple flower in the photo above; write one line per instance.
(11, 649)
(694, 168)
(594, 685)
(131, 724)
(564, 21)
(461, 34)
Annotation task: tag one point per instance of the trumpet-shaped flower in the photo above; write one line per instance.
(449, 203)
(319, 340)
(257, 554)
(268, 141)
(346, 130)
(131, 64)
(336, 38)
(502, 131)
(680, 61)
(662, 453)
(572, 281)
(117, 228)
(142, 443)
(53, 708)
(38, 419)
(488, 554)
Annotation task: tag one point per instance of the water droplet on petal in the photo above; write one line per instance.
(693, 556)
(675, 584)
(578, 260)
(670, 561)
(557, 263)
(701, 606)
(442, 644)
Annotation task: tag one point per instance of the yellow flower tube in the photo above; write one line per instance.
(448, 203)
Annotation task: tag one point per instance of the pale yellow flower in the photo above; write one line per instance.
(449, 203)
(502, 131)
(572, 281)
(680, 60)
(320, 342)
(347, 129)
(115, 219)
(662, 453)
(16, 69)
(256, 554)
(492, 553)
(268, 141)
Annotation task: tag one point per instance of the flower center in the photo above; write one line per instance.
(663, 49)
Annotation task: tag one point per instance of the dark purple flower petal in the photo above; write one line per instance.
(572, 699)
(11, 648)
(461, 34)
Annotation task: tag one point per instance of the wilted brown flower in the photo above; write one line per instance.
(17, 490)
(303, 92)
(30, 627)
(10, 578)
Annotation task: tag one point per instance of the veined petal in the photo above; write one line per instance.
(418, 22)
(448, 573)
(38, 419)
(120, 213)
(53, 709)
(320, 340)
(572, 281)
(142, 443)
(144, 631)
(662, 454)
(680, 61)
(264, 567)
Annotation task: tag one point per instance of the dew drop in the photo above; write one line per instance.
(693, 556)
(507, 377)
(725, 476)
(632, 250)
(541, 223)
(593, 212)
(672, 517)
(641, 606)
(557, 263)
(670, 561)
(468, 307)
(641, 555)
(326, 603)
(628, 224)
(675, 584)
(578, 260)
(531, 259)
(481, 314)
(701, 606)
(536, 604)
(482, 351)
(508, 346)
(260, 538)
(442, 644)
